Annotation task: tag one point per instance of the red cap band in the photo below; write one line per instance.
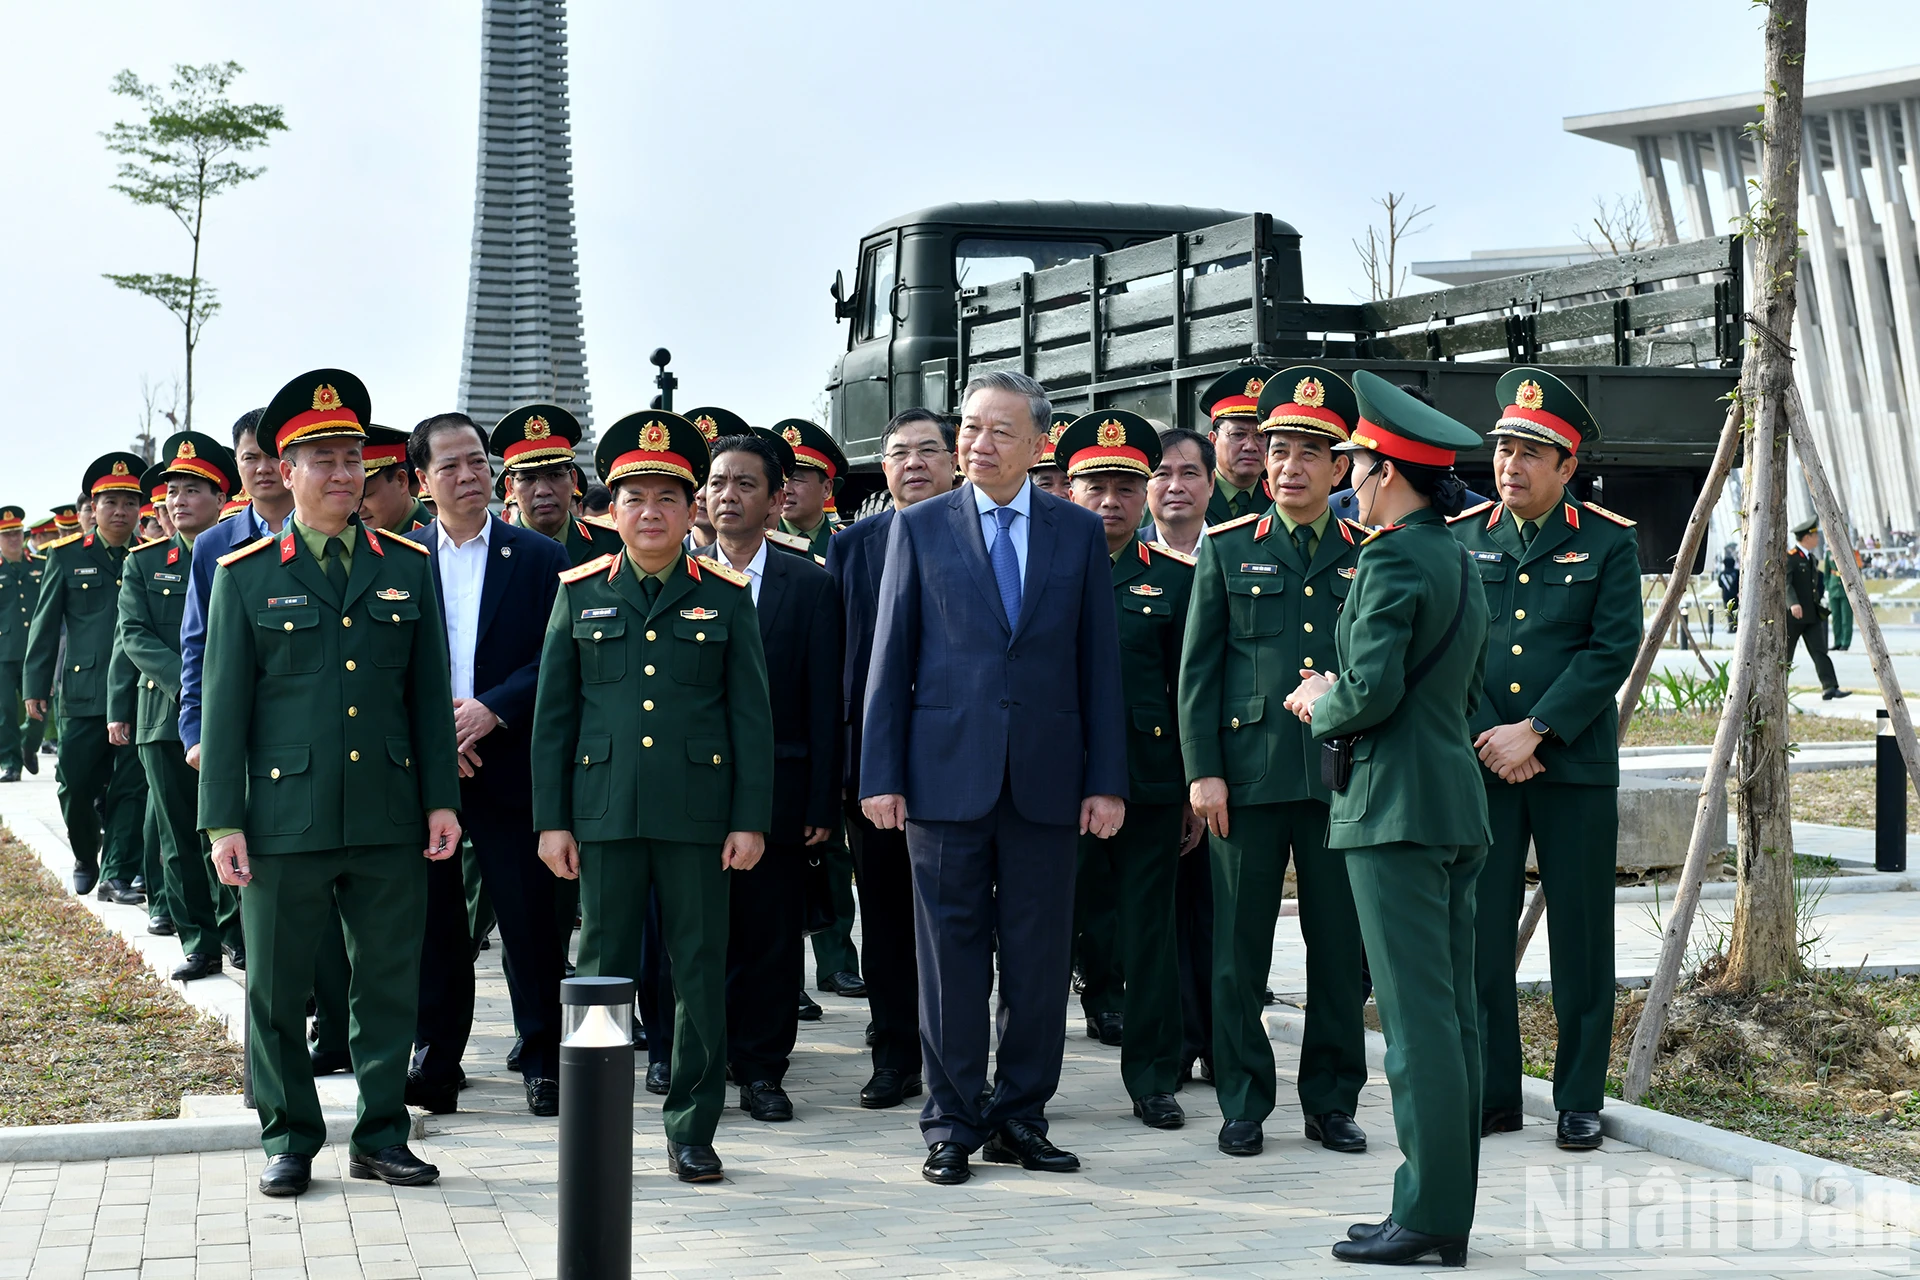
(1552, 424)
(1400, 448)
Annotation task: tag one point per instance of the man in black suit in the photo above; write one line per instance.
(916, 453)
(996, 735)
(799, 614)
(496, 585)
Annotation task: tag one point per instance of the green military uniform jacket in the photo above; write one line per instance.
(1565, 626)
(1259, 616)
(1416, 776)
(329, 720)
(1806, 586)
(586, 542)
(145, 673)
(417, 518)
(652, 722)
(19, 593)
(818, 540)
(81, 588)
(1152, 584)
(1218, 512)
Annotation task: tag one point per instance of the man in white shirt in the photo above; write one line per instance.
(496, 585)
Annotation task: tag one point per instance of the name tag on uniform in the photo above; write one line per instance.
(393, 593)
(700, 615)
(88, 569)
(1259, 568)
(1146, 589)
(599, 613)
(285, 602)
(166, 577)
(1571, 557)
(1491, 557)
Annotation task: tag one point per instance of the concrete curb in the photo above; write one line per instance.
(1873, 1196)
(238, 1132)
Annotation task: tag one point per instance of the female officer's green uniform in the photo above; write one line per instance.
(1413, 821)
(652, 740)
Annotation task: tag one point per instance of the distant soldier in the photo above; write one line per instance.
(1107, 456)
(79, 591)
(1807, 602)
(1049, 475)
(1837, 603)
(389, 504)
(653, 754)
(327, 768)
(1232, 405)
(19, 592)
(536, 442)
(199, 473)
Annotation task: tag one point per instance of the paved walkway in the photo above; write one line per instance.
(838, 1191)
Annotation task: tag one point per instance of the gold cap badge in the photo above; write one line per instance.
(1254, 387)
(1530, 395)
(537, 428)
(708, 427)
(1309, 393)
(653, 438)
(1112, 434)
(325, 398)
(791, 435)
(186, 450)
(120, 468)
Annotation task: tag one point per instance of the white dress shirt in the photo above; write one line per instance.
(463, 573)
(1022, 504)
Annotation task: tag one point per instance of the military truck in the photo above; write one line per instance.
(1651, 340)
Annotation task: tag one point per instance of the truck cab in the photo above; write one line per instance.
(911, 268)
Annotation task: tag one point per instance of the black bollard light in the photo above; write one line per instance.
(1889, 799)
(596, 1129)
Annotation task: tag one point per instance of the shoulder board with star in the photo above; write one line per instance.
(1381, 532)
(1469, 512)
(1353, 531)
(243, 552)
(601, 522)
(1605, 514)
(148, 545)
(790, 541)
(1233, 524)
(401, 540)
(57, 543)
(588, 568)
(1178, 557)
(724, 572)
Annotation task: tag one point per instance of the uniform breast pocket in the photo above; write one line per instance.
(393, 622)
(288, 640)
(709, 779)
(592, 775)
(1493, 579)
(699, 651)
(279, 791)
(1255, 606)
(602, 645)
(82, 676)
(167, 602)
(1144, 623)
(1569, 591)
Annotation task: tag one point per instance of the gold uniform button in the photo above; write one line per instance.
(1514, 687)
(396, 617)
(646, 742)
(1309, 590)
(1236, 722)
(275, 775)
(1516, 651)
(353, 755)
(1569, 577)
(1308, 626)
(1524, 578)
(1520, 613)
(346, 622)
(83, 586)
(716, 759)
(76, 666)
(350, 666)
(166, 591)
(647, 705)
(701, 635)
(149, 684)
(596, 635)
(1256, 591)
(1146, 608)
(586, 759)
(353, 711)
(1156, 731)
(648, 668)
(1306, 662)
(286, 626)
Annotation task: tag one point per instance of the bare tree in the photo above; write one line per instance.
(1380, 252)
(1618, 228)
(156, 402)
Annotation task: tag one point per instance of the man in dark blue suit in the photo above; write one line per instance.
(995, 734)
(496, 585)
(916, 454)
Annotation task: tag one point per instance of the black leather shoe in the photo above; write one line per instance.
(659, 1078)
(139, 884)
(197, 965)
(693, 1162)
(434, 1098)
(84, 880)
(236, 956)
(1017, 1142)
(639, 1035)
(1394, 1245)
(1242, 1138)
(889, 1088)
(395, 1165)
(543, 1096)
(946, 1165)
(765, 1100)
(120, 891)
(1578, 1131)
(513, 1054)
(809, 1009)
(31, 763)
(160, 926)
(286, 1175)
(1361, 1230)
(873, 1034)
(1107, 1028)
(1501, 1121)
(328, 1061)
(1159, 1111)
(1336, 1131)
(11, 774)
(851, 985)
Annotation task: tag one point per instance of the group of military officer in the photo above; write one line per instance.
(643, 805)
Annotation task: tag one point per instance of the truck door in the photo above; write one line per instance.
(866, 372)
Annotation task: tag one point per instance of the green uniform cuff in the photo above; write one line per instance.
(221, 833)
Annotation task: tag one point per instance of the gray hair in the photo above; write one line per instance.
(1020, 384)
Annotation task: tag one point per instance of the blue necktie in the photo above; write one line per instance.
(1006, 566)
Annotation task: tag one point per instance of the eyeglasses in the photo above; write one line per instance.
(927, 453)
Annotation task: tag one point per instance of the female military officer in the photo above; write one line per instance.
(1412, 817)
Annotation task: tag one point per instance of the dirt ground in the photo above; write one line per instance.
(87, 1032)
(1827, 1065)
(1695, 729)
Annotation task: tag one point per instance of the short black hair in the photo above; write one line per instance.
(597, 499)
(1180, 435)
(420, 443)
(758, 448)
(1419, 393)
(908, 417)
(247, 424)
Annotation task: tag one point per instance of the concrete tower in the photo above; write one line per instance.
(524, 339)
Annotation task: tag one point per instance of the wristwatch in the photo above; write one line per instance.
(1539, 726)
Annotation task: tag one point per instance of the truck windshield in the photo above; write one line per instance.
(979, 260)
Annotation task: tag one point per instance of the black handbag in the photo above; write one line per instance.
(1336, 754)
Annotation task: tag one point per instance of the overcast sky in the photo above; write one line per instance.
(729, 156)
